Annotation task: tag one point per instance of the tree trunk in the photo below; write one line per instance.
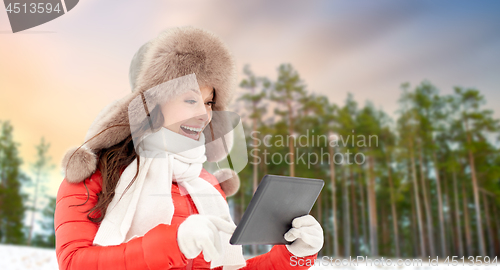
(363, 209)
(393, 209)
(475, 187)
(468, 238)
(354, 213)
(447, 220)
(334, 203)
(320, 215)
(373, 209)
(255, 165)
(417, 201)
(457, 216)
(497, 229)
(34, 209)
(347, 225)
(385, 232)
(263, 168)
(488, 226)
(255, 171)
(428, 212)
(291, 142)
(328, 233)
(413, 222)
(320, 210)
(440, 206)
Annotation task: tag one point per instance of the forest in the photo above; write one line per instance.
(422, 182)
(427, 186)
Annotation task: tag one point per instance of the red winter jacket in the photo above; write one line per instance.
(157, 249)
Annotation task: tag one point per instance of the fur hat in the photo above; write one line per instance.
(175, 53)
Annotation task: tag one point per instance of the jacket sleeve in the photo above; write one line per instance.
(280, 258)
(157, 249)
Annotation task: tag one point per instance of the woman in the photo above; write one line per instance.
(135, 195)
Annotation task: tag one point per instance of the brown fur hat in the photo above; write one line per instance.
(175, 53)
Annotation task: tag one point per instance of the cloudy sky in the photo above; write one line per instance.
(55, 78)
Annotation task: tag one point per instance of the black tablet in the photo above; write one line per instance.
(276, 202)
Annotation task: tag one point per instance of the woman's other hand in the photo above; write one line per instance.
(201, 233)
(308, 236)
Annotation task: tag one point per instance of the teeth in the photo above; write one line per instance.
(192, 129)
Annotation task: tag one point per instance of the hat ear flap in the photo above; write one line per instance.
(109, 128)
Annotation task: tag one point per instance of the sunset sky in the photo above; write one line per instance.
(55, 78)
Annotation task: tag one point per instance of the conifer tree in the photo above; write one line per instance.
(11, 198)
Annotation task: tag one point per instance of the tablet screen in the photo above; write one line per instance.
(276, 202)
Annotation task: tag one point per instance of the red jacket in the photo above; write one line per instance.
(157, 249)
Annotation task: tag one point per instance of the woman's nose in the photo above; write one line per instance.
(202, 113)
(204, 117)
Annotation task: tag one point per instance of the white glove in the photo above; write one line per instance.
(201, 233)
(308, 236)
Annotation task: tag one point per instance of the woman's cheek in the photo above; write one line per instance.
(184, 113)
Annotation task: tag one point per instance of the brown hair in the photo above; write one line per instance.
(113, 160)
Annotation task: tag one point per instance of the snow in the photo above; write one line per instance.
(22, 257)
(14, 257)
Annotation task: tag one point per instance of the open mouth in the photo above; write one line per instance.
(191, 132)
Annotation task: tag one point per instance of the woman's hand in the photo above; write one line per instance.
(308, 236)
(201, 233)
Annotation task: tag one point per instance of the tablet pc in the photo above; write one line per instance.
(276, 202)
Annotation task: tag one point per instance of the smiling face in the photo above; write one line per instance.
(189, 113)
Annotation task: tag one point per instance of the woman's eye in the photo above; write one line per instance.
(210, 103)
(191, 101)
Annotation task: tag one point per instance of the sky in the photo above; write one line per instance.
(56, 77)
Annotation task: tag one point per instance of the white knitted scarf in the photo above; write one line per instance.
(165, 156)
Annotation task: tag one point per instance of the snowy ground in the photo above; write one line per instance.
(21, 257)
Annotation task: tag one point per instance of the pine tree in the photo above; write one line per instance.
(40, 169)
(407, 127)
(257, 89)
(288, 90)
(47, 239)
(475, 122)
(12, 207)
